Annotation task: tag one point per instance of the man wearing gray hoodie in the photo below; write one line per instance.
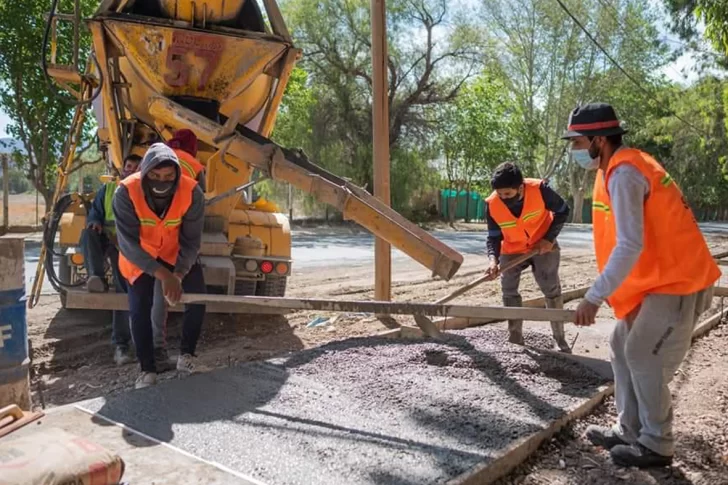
(159, 221)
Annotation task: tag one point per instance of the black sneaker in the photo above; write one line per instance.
(604, 437)
(638, 455)
(162, 362)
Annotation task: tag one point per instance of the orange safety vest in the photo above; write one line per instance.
(189, 164)
(520, 234)
(158, 237)
(675, 259)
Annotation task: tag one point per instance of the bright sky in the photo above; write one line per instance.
(674, 71)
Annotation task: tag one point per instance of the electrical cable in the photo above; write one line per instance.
(623, 71)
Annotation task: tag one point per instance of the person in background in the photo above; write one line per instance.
(98, 244)
(654, 270)
(159, 221)
(184, 144)
(525, 215)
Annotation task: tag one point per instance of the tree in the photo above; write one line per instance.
(712, 13)
(551, 66)
(38, 118)
(479, 133)
(432, 53)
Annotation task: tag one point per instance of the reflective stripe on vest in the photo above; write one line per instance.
(158, 237)
(520, 234)
(189, 164)
(675, 259)
(109, 219)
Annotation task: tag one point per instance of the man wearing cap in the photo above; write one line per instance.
(655, 268)
(524, 215)
(184, 144)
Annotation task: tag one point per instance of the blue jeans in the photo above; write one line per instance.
(96, 248)
(141, 298)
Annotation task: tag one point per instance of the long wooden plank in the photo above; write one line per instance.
(387, 308)
(720, 291)
(81, 300)
(261, 304)
(456, 323)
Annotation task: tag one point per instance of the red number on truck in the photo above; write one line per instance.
(207, 47)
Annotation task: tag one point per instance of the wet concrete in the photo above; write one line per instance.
(362, 410)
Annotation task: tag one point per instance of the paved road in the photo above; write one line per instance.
(311, 251)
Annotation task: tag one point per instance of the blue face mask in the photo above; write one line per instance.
(584, 159)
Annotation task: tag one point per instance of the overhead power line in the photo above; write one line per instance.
(616, 64)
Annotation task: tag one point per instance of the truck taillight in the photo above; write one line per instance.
(266, 267)
(282, 268)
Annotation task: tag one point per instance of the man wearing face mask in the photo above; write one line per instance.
(523, 215)
(655, 268)
(159, 218)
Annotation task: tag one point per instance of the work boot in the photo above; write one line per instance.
(96, 284)
(557, 328)
(515, 327)
(603, 437)
(146, 379)
(638, 455)
(122, 356)
(162, 361)
(187, 364)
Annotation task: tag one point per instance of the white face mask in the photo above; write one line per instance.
(584, 159)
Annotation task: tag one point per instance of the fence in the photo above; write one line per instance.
(463, 201)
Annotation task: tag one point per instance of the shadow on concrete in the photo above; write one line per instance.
(204, 398)
(449, 436)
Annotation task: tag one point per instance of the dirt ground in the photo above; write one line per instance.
(72, 359)
(22, 209)
(700, 393)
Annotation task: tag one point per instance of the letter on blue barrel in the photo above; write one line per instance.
(14, 360)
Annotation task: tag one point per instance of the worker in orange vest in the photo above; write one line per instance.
(159, 222)
(184, 144)
(523, 215)
(654, 270)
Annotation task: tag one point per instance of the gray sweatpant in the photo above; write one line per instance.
(645, 358)
(159, 317)
(545, 269)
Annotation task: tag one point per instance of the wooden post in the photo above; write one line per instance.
(380, 134)
(6, 193)
(290, 203)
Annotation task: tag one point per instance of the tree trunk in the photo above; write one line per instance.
(578, 208)
(467, 204)
(452, 203)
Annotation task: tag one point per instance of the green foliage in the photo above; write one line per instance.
(712, 13)
(39, 120)
(478, 131)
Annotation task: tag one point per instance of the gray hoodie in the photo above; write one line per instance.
(127, 222)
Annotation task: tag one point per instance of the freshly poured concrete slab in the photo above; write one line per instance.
(363, 410)
(146, 461)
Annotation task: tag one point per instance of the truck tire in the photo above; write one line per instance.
(272, 286)
(64, 274)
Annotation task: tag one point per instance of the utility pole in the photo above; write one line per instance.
(380, 135)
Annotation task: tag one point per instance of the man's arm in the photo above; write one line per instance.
(202, 180)
(97, 214)
(495, 236)
(127, 232)
(556, 204)
(190, 233)
(628, 189)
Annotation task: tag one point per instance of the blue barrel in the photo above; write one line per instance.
(14, 359)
